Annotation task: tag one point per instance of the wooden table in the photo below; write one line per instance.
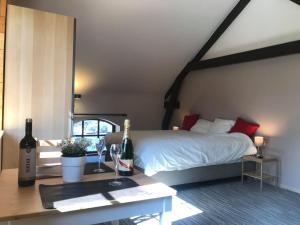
(23, 205)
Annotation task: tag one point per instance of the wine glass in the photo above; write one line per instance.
(115, 152)
(101, 147)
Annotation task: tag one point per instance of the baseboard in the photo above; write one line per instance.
(293, 189)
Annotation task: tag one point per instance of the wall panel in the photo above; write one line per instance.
(39, 77)
(2, 41)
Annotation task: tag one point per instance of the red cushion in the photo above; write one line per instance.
(245, 127)
(189, 121)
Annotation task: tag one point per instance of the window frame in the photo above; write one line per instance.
(98, 129)
(98, 135)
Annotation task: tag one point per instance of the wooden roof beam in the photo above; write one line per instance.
(252, 55)
(171, 96)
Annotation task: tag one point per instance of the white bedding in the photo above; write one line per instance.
(157, 151)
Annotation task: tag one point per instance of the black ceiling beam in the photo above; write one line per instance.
(252, 55)
(171, 96)
(296, 1)
(211, 41)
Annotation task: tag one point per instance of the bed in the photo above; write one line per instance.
(178, 157)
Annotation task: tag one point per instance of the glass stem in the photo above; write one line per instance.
(116, 170)
(99, 162)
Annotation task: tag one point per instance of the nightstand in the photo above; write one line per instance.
(258, 173)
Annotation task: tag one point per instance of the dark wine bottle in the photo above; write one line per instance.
(27, 157)
(126, 157)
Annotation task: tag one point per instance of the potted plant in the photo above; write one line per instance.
(73, 159)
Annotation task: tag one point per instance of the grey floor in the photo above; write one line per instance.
(229, 202)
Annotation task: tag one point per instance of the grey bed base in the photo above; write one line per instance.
(201, 174)
(198, 174)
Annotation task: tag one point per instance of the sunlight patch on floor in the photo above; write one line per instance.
(146, 219)
(180, 210)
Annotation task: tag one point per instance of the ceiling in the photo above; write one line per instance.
(135, 46)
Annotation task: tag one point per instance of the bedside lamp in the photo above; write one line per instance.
(175, 128)
(259, 142)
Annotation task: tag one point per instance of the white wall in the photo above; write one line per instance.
(262, 23)
(265, 91)
(144, 110)
(129, 52)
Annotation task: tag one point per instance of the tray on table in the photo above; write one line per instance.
(54, 193)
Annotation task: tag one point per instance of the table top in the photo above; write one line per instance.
(268, 158)
(17, 203)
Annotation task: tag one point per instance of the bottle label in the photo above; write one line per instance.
(126, 164)
(27, 163)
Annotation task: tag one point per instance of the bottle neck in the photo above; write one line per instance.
(126, 133)
(28, 129)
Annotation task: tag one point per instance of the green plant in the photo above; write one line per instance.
(74, 148)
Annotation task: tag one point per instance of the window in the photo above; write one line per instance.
(92, 129)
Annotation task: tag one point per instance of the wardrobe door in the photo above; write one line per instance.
(38, 77)
(2, 41)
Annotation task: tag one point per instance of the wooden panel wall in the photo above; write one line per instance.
(38, 77)
(2, 41)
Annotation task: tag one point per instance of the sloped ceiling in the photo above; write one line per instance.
(135, 46)
(267, 23)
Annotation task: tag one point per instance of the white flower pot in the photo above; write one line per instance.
(72, 168)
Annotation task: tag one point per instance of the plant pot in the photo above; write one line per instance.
(72, 168)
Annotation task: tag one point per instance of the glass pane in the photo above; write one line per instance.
(105, 128)
(77, 128)
(90, 127)
(92, 147)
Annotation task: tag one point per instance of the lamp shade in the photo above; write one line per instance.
(258, 140)
(175, 128)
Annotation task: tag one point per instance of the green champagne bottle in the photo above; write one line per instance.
(126, 158)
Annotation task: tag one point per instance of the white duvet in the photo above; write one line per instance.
(157, 151)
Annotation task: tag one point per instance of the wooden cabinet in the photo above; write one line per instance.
(38, 77)
(2, 41)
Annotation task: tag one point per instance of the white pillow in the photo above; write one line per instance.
(221, 126)
(202, 126)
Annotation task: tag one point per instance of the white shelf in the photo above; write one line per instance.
(257, 175)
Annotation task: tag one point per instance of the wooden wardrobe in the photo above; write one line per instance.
(2, 53)
(39, 76)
